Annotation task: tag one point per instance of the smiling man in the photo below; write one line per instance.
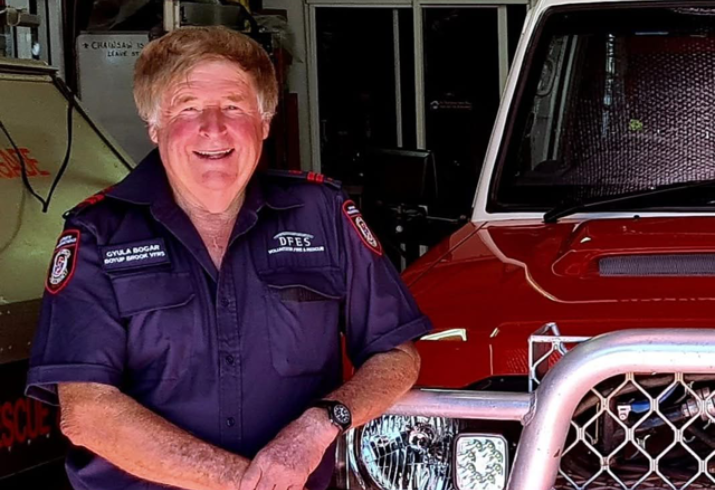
(191, 328)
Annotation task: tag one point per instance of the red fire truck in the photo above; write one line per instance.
(574, 344)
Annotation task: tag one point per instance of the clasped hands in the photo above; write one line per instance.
(289, 459)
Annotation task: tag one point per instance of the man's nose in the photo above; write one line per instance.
(212, 122)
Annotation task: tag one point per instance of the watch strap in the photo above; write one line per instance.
(330, 406)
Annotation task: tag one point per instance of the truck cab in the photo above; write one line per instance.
(569, 310)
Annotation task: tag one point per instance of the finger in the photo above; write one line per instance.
(285, 481)
(267, 481)
(291, 482)
(250, 478)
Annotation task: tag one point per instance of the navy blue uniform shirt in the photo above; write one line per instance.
(133, 300)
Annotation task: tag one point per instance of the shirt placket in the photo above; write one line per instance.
(229, 360)
(228, 327)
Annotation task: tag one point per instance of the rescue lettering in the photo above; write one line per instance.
(10, 165)
(23, 419)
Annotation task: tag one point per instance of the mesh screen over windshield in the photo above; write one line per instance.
(614, 110)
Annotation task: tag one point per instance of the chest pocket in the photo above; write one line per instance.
(160, 312)
(303, 314)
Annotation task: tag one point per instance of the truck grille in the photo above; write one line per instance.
(636, 431)
(658, 265)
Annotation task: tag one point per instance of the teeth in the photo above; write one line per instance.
(213, 153)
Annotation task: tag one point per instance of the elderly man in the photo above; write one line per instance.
(191, 328)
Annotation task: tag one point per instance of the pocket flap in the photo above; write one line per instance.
(137, 293)
(323, 284)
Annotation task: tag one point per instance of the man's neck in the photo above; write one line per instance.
(213, 227)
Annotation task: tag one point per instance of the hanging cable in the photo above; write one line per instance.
(23, 165)
(68, 154)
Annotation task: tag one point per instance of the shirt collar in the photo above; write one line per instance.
(147, 184)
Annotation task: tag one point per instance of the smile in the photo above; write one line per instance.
(214, 154)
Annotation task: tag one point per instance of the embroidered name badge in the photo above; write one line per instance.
(295, 242)
(366, 235)
(63, 262)
(137, 254)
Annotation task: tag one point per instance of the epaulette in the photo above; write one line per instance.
(90, 201)
(311, 177)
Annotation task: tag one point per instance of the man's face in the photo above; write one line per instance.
(210, 132)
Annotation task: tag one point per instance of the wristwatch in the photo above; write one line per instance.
(338, 413)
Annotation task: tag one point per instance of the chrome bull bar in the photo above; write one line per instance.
(474, 405)
(547, 412)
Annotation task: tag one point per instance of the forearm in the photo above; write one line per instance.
(135, 439)
(379, 383)
(289, 459)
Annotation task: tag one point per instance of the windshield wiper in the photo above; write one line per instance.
(570, 208)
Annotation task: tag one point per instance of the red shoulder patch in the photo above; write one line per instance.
(312, 177)
(315, 177)
(94, 199)
(366, 235)
(64, 261)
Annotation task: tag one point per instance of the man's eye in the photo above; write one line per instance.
(232, 108)
(189, 109)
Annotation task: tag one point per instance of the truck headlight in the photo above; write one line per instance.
(480, 462)
(404, 453)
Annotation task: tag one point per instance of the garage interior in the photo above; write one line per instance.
(377, 95)
(396, 99)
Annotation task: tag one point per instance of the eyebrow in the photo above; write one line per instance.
(183, 99)
(236, 98)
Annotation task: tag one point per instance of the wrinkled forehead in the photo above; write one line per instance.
(215, 79)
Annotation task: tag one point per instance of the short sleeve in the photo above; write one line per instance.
(380, 312)
(79, 337)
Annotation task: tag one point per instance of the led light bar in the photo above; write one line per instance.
(480, 462)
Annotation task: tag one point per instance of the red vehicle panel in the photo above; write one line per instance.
(505, 280)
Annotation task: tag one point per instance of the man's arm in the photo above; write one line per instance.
(381, 319)
(374, 388)
(135, 439)
(379, 383)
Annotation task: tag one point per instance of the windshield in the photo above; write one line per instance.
(615, 100)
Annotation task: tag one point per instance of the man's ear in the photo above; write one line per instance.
(153, 134)
(266, 126)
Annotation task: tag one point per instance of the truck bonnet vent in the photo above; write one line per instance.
(658, 265)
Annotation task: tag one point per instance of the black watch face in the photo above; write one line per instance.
(342, 415)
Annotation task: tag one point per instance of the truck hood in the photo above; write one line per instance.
(501, 281)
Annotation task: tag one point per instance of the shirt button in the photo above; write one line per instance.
(229, 359)
(225, 302)
(230, 421)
